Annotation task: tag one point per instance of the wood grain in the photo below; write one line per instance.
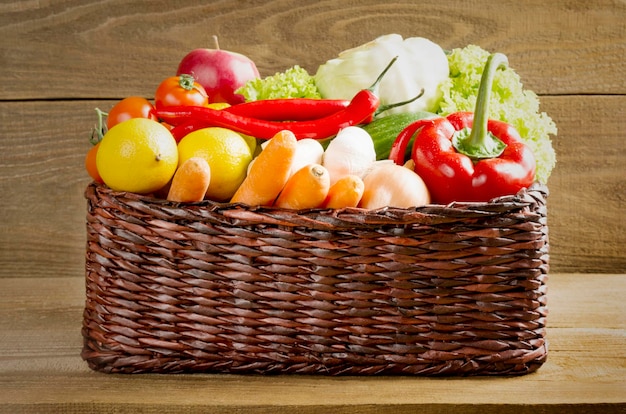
(107, 49)
(41, 370)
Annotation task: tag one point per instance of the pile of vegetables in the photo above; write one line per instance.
(394, 122)
(450, 80)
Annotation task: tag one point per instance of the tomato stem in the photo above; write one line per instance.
(100, 129)
(186, 81)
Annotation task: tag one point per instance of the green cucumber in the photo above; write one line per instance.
(384, 130)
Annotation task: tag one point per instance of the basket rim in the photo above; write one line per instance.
(537, 192)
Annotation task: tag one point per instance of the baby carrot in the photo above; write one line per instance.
(346, 192)
(191, 181)
(269, 171)
(306, 188)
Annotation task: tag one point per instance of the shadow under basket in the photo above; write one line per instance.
(225, 288)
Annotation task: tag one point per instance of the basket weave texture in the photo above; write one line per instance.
(209, 287)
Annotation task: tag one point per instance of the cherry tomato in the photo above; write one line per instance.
(90, 163)
(131, 107)
(180, 90)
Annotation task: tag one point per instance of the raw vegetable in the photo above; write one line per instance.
(351, 152)
(307, 188)
(289, 109)
(467, 157)
(130, 107)
(180, 90)
(295, 82)
(191, 181)
(509, 102)
(384, 130)
(421, 64)
(90, 163)
(392, 185)
(346, 192)
(269, 173)
(308, 151)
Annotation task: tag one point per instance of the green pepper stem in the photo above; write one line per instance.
(374, 86)
(479, 142)
(386, 107)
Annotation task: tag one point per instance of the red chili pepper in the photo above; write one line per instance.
(179, 131)
(289, 109)
(465, 156)
(360, 108)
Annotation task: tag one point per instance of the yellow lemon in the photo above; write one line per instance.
(227, 153)
(138, 155)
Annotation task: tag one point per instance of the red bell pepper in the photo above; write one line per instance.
(466, 156)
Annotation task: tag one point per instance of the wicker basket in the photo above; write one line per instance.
(208, 287)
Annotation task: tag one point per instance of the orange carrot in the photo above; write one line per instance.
(269, 172)
(346, 192)
(307, 188)
(191, 181)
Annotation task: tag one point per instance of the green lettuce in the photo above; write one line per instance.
(295, 82)
(509, 102)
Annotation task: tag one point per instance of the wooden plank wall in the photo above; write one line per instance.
(61, 59)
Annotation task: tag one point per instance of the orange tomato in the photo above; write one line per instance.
(130, 107)
(90, 164)
(180, 90)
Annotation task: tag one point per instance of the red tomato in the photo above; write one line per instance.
(180, 90)
(131, 107)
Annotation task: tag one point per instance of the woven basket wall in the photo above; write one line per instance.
(206, 287)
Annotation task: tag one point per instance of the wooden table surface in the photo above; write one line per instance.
(41, 369)
(61, 59)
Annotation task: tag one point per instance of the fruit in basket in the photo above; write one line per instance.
(180, 90)
(220, 72)
(392, 185)
(130, 107)
(227, 153)
(90, 163)
(138, 155)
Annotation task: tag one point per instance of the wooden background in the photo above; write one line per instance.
(61, 59)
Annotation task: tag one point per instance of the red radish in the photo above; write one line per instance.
(220, 72)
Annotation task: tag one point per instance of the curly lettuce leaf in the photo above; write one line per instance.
(509, 102)
(295, 82)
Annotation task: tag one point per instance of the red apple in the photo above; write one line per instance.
(221, 72)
